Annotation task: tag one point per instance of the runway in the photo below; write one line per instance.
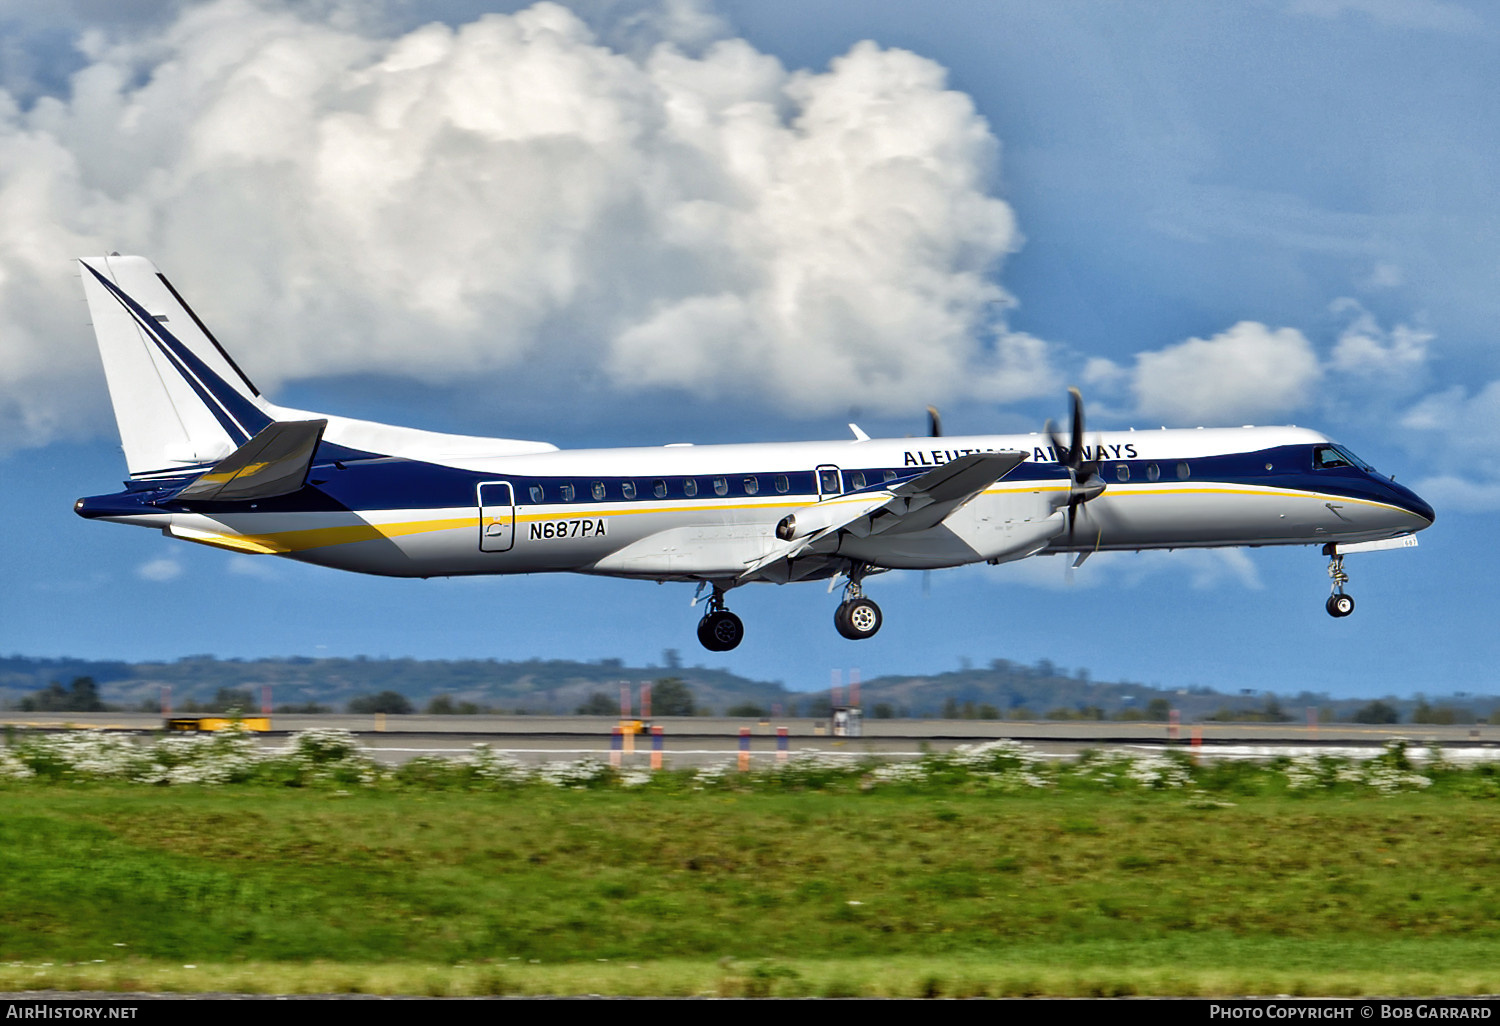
(697, 741)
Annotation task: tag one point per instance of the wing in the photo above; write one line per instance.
(913, 505)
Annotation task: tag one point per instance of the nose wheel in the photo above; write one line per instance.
(720, 630)
(1339, 604)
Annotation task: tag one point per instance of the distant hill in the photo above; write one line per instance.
(1001, 690)
(1046, 691)
(531, 686)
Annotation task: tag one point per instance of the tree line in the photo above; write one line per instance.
(671, 696)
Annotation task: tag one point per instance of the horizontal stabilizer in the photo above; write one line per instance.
(273, 463)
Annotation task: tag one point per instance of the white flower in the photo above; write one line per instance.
(636, 778)
(577, 773)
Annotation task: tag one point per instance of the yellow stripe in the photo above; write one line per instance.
(232, 542)
(320, 537)
(247, 470)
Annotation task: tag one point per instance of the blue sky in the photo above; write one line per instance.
(482, 226)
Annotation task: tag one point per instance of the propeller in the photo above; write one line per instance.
(1084, 474)
(934, 430)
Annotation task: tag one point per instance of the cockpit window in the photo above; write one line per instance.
(1328, 457)
(1361, 464)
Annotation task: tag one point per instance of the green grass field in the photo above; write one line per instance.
(539, 890)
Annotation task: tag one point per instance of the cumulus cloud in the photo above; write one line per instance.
(1385, 275)
(1248, 373)
(1448, 492)
(1366, 350)
(1457, 430)
(680, 212)
(258, 567)
(160, 570)
(1204, 569)
(1423, 15)
(1253, 373)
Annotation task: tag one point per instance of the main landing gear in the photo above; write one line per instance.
(857, 617)
(720, 630)
(1339, 605)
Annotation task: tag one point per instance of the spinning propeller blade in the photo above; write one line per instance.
(1086, 483)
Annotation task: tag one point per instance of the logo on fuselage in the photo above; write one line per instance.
(937, 457)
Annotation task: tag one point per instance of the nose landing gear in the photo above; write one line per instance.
(1339, 605)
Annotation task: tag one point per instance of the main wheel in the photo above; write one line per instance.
(1339, 605)
(721, 631)
(857, 619)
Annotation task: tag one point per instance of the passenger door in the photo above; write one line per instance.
(830, 482)
(497, 516)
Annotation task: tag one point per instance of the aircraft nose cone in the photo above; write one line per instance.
(1414, 504)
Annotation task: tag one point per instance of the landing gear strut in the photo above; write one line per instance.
(1339, 605)
(720, 630)
(857, 617)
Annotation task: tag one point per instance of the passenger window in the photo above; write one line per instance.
(567, 493)
(690, 487)
(721, 486)
(598, 490)
(1183, 471)
(659, 488)
(752, 486)
(1153, 472)
(889, 475)
(782, 484)
(536, 493)
(828, 482)
(1122, 472)
(628, 489)
(858, 481)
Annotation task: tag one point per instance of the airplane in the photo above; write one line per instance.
(212, 461)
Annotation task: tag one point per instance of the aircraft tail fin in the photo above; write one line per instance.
(180, 402)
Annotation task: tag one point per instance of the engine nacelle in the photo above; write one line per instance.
(806, 521)
(810, 520)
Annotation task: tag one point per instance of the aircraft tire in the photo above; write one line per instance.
(1339, 605)
(721, 631)
(857, 619)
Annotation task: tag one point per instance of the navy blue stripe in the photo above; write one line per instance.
(385, 483)
(208, 334)
(239, 417)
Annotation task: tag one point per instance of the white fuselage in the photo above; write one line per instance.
(626, 512)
